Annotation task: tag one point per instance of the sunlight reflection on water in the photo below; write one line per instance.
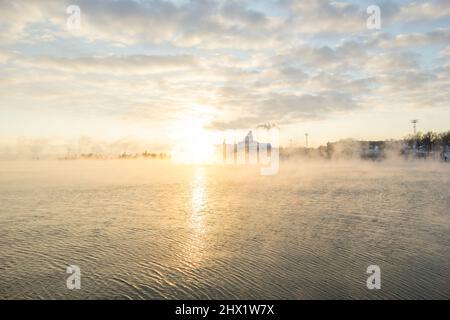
(197, 218)
(149, 230)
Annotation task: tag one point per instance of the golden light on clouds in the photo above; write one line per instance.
(134, 70)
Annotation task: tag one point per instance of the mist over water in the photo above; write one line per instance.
(156, 230)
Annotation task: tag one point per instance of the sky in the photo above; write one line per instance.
(141, 74)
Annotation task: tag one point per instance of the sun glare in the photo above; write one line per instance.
(192, 143)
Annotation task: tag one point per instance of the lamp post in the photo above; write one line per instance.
(414, 122)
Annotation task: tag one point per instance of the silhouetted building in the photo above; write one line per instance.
(247, 151)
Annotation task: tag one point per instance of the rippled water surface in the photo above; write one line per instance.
(154, 230)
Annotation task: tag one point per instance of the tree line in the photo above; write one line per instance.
(429, 141)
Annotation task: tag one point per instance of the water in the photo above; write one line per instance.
(154, 230)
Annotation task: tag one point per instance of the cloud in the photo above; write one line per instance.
(334, 17)
(322, 17)
(6, 56)
(17, 16)
(327, 56)
(417, 11)
(283, 108)
(438, 36)
(125, 65)
(202, 23)
(250, 62)
(388, 62)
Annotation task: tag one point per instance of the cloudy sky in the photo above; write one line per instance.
(150, 72)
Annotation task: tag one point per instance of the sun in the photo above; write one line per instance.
(192, 143)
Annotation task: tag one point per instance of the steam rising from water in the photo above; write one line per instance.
(149, 230)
